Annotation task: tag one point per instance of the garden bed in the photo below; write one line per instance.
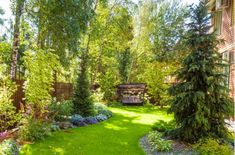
(179, 148)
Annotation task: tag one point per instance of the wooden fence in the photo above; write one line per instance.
(61, 91)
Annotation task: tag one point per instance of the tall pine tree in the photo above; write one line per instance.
(200, 101)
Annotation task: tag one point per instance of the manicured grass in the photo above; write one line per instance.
(117, 136)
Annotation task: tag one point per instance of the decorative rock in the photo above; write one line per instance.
(65, 125)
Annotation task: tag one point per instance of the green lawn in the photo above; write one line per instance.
(117, 136)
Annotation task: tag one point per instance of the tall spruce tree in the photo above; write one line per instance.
(82, 100)
(200, 100)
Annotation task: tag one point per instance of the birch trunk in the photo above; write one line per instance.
(16, 37)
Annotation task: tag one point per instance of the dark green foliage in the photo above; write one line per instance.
(124, 65)
(1, 13)
(162, 126)
(200, 101)
(83, 103)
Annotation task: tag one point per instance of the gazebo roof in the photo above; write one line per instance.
(139, 86)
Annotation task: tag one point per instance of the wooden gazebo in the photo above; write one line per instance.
(132, 94)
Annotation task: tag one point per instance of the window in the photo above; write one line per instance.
(226, 56)
(218, 22)
(231, 57)
(233, 13)
(218, 4)
(225, 3)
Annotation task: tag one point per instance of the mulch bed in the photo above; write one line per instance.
(179, 148)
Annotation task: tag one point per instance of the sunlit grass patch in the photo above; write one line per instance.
(117, 136)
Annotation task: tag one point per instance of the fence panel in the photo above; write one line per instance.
(61, 91)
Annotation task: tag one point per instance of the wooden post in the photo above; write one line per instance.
(55, 85)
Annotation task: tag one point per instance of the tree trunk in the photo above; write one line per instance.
(16, 38)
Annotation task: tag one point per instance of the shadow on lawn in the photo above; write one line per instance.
(118, 135)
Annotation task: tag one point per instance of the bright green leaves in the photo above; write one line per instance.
(8, 115)
(109, 48)
(5, 53)
(160, 27)
(40, 67)
(60, 24)
(157, 76)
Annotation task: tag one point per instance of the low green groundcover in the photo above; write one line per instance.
(117, 136)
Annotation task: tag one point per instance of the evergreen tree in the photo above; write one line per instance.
(82, 100)
(124, 59)
(1, 13)
(200, 101)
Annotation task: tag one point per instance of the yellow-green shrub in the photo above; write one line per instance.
(211, 146)
(40, 66)
(8, 115)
